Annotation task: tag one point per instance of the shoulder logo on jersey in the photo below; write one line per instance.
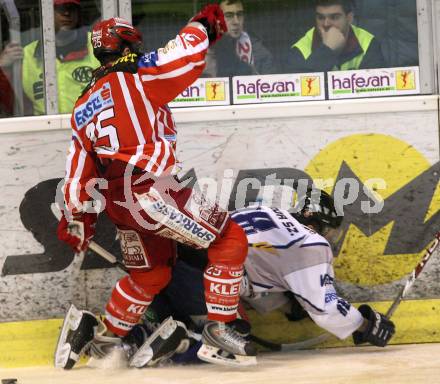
(191, 39)
(97, 102)
(148, 60)
(82, 74)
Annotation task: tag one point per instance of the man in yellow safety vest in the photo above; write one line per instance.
(74, 60)
(335, 43)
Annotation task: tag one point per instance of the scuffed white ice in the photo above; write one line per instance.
(394, 364)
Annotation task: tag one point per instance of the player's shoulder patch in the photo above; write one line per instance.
(148, 60)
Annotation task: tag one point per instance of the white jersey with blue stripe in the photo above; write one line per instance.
(284, 256)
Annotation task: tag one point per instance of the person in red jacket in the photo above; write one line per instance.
(123, 138)
(10, 55)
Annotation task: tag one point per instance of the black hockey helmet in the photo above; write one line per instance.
(317, 208)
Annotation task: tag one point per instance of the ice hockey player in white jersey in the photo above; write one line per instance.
(287, 253)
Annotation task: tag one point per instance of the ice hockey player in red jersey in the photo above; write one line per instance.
(123, 140)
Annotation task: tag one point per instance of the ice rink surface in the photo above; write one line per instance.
(395, 364)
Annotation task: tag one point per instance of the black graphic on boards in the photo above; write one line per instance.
(406, 208)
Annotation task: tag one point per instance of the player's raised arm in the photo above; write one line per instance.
(167, 71)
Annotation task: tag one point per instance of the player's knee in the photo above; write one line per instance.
(231, 248)
(152, 281)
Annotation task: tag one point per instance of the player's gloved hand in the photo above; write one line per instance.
(78, 232)
(212, 18)
(379, 329)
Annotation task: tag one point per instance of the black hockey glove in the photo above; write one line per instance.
(379, 330)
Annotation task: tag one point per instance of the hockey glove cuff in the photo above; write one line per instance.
(212, 18)
(379, 330)
(79, 231)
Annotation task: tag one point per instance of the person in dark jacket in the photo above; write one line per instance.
(238, 53)
(334, 43)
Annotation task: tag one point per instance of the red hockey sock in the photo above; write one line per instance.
(125, 307)
(222, 288)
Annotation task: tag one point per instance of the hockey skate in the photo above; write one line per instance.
(79, 328)
(149, 349)
(106, 351)
(222, 344)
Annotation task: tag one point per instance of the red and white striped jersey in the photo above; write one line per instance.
(124, 116)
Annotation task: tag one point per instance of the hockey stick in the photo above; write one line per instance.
(275, 347)
(414, 274)
(95, 247)
(325, 336)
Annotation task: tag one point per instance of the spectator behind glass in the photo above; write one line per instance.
(74, 60)
(335, 43)
(237, 53)
(12, 53)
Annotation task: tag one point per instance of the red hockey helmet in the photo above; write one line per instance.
(111, 36)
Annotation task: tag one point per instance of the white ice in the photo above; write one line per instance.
(394, 364)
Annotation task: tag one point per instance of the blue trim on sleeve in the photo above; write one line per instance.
(288, 244)
(262, 285)
(308, 302)
(314, 244)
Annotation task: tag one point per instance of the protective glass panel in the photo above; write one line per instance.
(160, 20)
(20, 25)
(74, 58)
(327, 39)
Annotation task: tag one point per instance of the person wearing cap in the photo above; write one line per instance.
(74, 60)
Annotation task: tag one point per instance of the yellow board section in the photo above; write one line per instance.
(417, 321)
(28, 343)
(361, 260)
(384, 164)
(32, 343)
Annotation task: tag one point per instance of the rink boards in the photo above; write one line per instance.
(32, 343)
(389, 148)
